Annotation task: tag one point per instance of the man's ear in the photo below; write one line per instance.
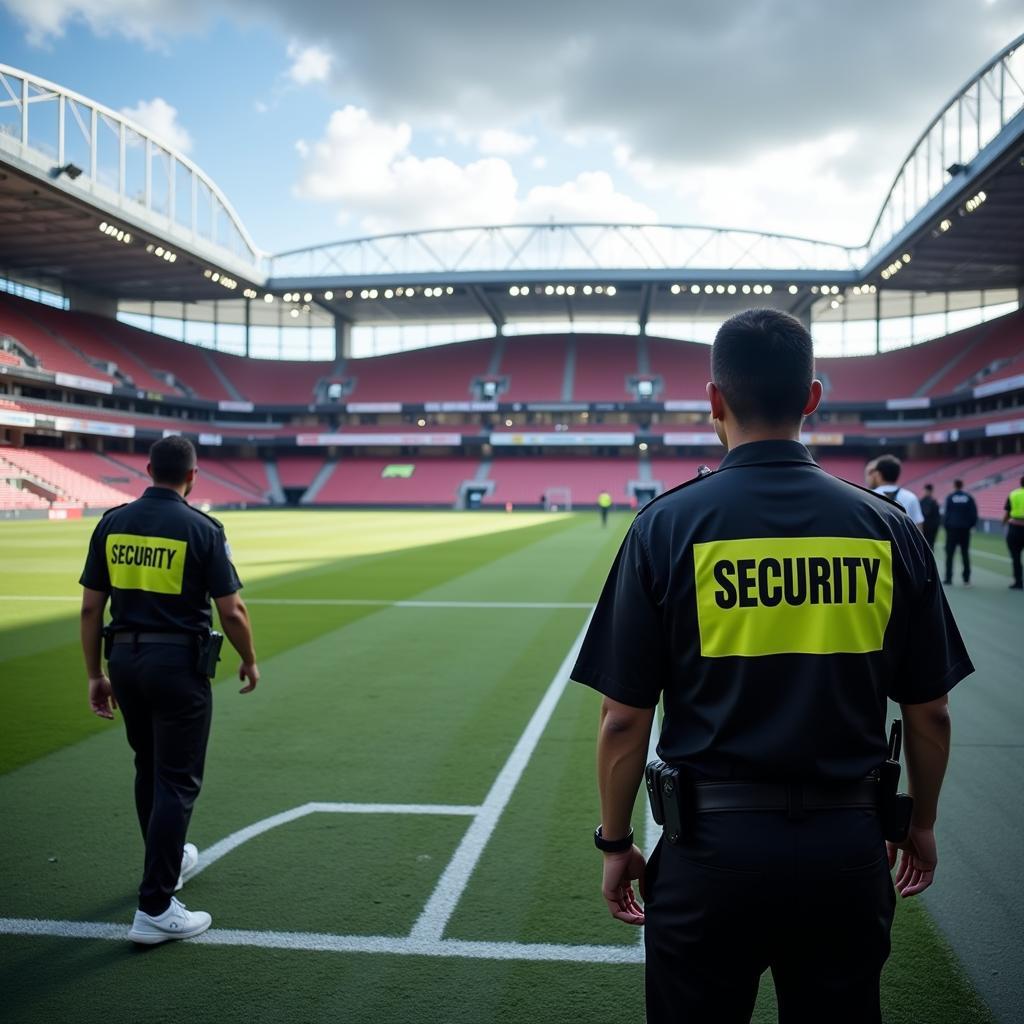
(813, 397)
(149, 470)
(717, 402)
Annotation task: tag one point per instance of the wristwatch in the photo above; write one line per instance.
(613, 845)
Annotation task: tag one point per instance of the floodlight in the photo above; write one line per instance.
(793, 289)
(954, 169)
(610, 290)
(328, 295)
(71, 170)
(674, 289)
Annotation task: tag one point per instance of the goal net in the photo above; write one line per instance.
(558, 499)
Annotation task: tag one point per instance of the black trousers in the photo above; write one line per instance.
(1015, 543)
(166, 706)
(604, 515)
(958, 537)
(810, 899)
(930, 531)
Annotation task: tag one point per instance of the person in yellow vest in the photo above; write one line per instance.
(1014, 519)
(604, 502)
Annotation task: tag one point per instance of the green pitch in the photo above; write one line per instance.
(399, 722)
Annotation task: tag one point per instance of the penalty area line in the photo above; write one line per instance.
(316, 942)
(355, 602)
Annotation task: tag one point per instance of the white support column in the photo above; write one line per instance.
(94, 144)
(122, 160)
(149, 174)
(24, 112)
(61, 111)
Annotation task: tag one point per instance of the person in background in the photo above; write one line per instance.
(604, 503)
(932, 515)
(882, 476)
(960, 517)
(1014, 520)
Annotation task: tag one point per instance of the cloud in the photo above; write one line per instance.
(497, 142)
(366, 166)
(161, 119)
(309, 64)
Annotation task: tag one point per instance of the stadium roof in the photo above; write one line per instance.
(102, 205)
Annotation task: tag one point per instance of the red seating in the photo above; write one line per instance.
(1002, 346)
(671, 472)
(523, 480)
(296, 471)
(684, 368)
(68, 473)
(86, 334)
(19, 319)
(16, 499)
(212, 486)
(535, 368)
(273, 381)
(361, 482)
(441, 374)
(604, 363)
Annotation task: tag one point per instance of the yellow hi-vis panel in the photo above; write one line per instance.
(154, 564)
(781, 595)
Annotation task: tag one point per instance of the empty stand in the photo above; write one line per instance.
(1000, 349)
(604, 364)
(18, 318)
(17, 499)
(273, 381)
(85, 334)
(362, 482)
(297, 471)
(73, 476)
(213, 485)
(441, 374)
(522, 481)
(684, 368)
(534, 367)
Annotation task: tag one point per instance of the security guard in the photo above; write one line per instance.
(960, 516)
(1013, 517)
(774, 608)
(159, 561)
(604, 503)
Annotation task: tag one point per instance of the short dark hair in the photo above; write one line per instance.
(929, 487)
(958, 485)
(889, 467)
(763, 363)
(171, 459)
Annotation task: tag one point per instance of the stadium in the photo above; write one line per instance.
(404, 435)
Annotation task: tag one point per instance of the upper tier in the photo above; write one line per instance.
(537, 368)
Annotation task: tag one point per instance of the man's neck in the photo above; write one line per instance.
(736, 435)
(179, 490)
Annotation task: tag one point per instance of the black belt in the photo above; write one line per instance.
(175, 639)
(781, 796)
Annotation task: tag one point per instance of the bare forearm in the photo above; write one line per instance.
(92, 638)
(927, 754)
(238, 630)
(621, 756)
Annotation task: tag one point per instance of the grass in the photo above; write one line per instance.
(359, 703)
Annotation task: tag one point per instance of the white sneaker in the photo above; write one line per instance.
(176, 922)
(189, 859)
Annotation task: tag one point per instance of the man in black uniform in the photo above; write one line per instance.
(960, 516)
(932, 514)
(159, 561)
(775, 609)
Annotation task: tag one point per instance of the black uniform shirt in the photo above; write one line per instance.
(930, 511)
(161, 560)
(776, 608)
(961, 511)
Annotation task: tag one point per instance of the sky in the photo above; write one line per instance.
(322, 121)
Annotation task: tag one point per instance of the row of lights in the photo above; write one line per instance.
(561, 289)
(974, 202)
(113, 231)
(161, 253)
(222, 279)
(896, 266)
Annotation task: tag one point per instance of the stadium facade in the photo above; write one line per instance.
(105, 222)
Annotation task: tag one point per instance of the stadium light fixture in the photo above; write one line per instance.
(560, 289)
(72, 171)
(268, 297)
(610, 290)
(695, 289)
(508, 423)
(450, 290)
(570, 289)
(793, 289)
(720, 289)
(514, 290)
(328, 295)
(549, 289)
(954, 169)
(674, 289)
(758, 289)
(587, 289)
(642, 446)
(745, 289)
(767, 289)
(421, 422)
(294, 313)
(388, 293)
(373, 293)
(709, 289)
(731, 289)
(349, 294)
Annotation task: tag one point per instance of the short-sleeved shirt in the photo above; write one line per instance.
(161, 560)
(775, 608)
(907, 500)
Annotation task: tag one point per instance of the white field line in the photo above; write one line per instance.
(431, 923)
(353, 602)
(212, 854)
(322, 943)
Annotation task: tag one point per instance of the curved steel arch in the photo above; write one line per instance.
(955, 136)
(160, 208)
(564, 247)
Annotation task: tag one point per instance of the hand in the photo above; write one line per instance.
(250, 672)
(918, 860)
(617, 885)
(101, 696)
